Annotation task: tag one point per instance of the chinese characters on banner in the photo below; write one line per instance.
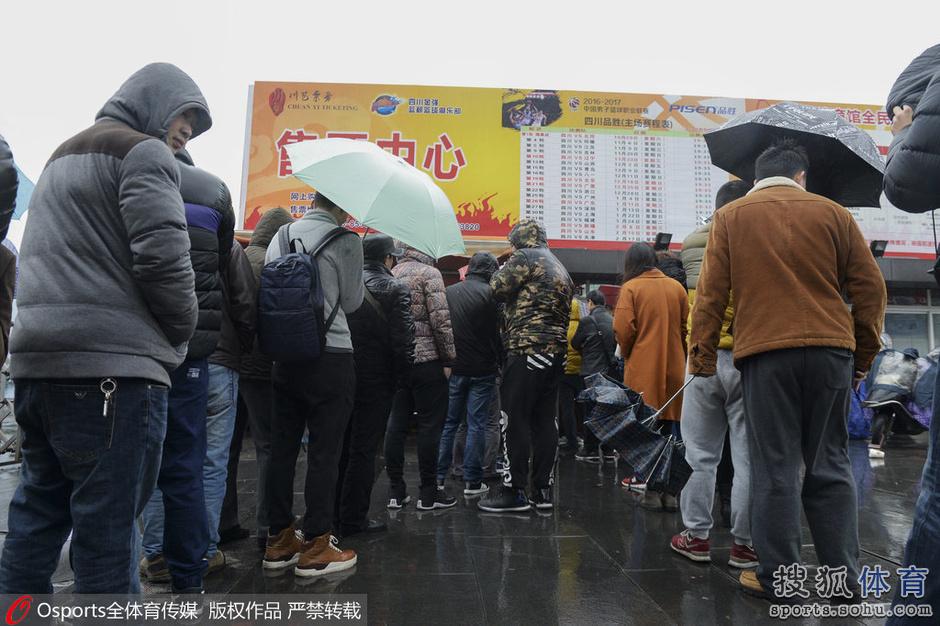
(597, 169)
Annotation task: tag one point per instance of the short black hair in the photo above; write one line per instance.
(322, 202)
(731, 191)
(784, 158)
(596, 298)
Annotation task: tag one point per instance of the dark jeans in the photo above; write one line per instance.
(424, 392)
(494, 445)
(254, 412)
(319, 396)
(530, 385)
(470, 399)
(923, 545)
(357, 464)
(570, 413)
(796, 406)
(82, 472)
(186, 529)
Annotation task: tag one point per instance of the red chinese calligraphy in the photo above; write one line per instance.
(434, 159)
(336, 134)
(854, 116)
(884, 119)
(868, 116)
(404, 148)
(288, 137)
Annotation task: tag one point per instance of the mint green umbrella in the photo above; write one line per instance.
(380, 190)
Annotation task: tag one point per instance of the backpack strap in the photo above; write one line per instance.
(283, 240)
(330, 236)
(367, 295)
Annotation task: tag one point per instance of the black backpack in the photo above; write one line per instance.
(291, 324)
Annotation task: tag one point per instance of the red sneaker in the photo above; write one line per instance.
(634, 483)
(691, 547)
(742, 556)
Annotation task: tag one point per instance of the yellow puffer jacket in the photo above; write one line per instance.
(573, 366)
(727, 341)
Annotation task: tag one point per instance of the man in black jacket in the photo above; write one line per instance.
(175, 519)
(383, 336)
(912, 183)
(596, 342)
(475, 320)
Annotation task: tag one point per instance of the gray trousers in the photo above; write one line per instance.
(710, 408)
(796, 405)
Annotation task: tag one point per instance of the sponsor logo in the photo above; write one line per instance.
(574, 104)
(385, 104)
(707, 110)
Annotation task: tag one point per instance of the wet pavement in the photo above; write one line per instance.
(597, 558)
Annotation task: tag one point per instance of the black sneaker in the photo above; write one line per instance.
(438, 500)
(475, 489)
(505, 500)
(397, 497)
(542, 499)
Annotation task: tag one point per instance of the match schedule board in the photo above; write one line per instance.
(608, 186)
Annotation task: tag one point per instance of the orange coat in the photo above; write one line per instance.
(650, 323)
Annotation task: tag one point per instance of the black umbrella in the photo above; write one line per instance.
(845, 165)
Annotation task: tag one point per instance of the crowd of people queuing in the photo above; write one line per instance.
(137, 335)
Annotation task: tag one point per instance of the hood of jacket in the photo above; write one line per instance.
(528, 234)
(154, 95)
(913, 81)
(270, 222)
(483, 264)
(411, 254)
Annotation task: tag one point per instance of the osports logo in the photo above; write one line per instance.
(19, 610)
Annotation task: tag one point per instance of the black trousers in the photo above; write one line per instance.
(530, 385)
(254, 413)
(570, 413)
(423, 395)
(796, 405)
(357, 463)
(319, 396)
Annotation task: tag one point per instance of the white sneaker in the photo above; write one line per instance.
(395, 503)
(876, 453)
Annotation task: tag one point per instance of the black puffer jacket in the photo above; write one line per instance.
(474, 317)
(256, 365)
(211, 223)
(912, 174)
(383, 344)
(9, 182)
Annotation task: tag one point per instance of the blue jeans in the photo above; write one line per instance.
(923, 545)
(470, 396)
(220, 424)
(83, 472)
(175, 517)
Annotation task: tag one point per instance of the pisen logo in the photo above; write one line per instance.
(707, 110)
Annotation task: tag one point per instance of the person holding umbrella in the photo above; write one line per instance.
(650, 322)
(789, 255)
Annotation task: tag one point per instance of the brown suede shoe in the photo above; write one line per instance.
(323, 556)
(283, 550)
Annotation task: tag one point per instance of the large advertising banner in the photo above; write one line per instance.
(598, 169)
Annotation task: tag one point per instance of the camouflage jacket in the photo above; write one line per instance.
(536, 290)
(434, 337)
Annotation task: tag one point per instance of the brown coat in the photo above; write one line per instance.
(434, 336)
(788, 255)
(650, 325)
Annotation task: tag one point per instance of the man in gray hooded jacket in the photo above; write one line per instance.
(106, 308)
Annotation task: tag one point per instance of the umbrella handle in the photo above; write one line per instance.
(674, 396)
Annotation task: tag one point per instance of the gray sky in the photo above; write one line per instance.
(62, 60)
